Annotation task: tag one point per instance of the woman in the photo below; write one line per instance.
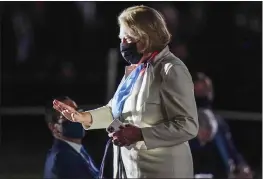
(155, 98)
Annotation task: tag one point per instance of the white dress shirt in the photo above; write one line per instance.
(75, 146)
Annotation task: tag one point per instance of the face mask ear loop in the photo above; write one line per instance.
(151, 58)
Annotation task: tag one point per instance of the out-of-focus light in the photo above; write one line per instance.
(240, 20)
(197, 12)
(246, 45)
(88, 9)
(254, 24)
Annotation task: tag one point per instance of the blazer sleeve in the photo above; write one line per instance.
(178, 107)
(101, 117)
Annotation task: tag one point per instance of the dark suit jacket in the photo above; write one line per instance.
(63, 162)
(211, 158)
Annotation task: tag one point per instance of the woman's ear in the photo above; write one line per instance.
(141, 46)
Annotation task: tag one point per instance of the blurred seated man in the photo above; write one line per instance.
(213, 149)
(67, 159)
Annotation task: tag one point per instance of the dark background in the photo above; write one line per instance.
(66, 56)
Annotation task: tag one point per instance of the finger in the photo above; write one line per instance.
(66, 114)
(120, 139)
(57, 108)
(110, 134)
(128, 125)
(72, 117)
(113, 135)
(117, 143)
(121, 127)
(64, 106)
(116, 134)
(56, 104)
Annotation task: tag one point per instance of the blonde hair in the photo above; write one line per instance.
(146, 25)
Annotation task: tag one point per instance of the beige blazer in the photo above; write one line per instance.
(168, 123)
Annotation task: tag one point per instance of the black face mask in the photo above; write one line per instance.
(203, 102)
(129, 53)
(72, 130)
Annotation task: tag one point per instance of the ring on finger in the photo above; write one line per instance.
(72, 117)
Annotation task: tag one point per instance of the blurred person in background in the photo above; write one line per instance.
(155, 98)
(178, 23)
(68, 159)
(171, 15)
(180, 49)
(213, 150)
(88, 10)
(24, 34)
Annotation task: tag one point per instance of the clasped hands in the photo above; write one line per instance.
(127, 135)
